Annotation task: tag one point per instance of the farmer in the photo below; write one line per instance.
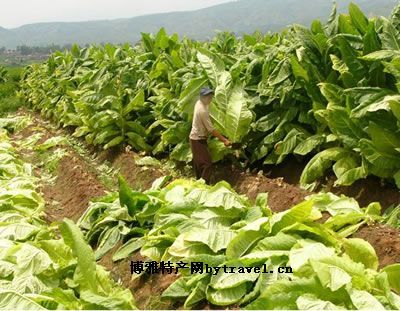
(201, 128)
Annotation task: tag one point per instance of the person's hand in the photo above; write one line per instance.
(227, 143)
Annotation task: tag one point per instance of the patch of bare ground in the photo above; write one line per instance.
(75, 183)
(74, 187)
(365, 191)
(385, 240)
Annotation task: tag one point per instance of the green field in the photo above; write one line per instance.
(99, 209)
(8, 88)
(326, 95)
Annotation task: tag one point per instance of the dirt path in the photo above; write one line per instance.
(74, 187)
(75, 184)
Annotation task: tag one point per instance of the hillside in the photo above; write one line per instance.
(237, 16)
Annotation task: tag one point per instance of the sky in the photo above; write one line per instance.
(14, 13)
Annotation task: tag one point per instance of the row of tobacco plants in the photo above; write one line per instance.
(329, 93)
(186, 222)
(39, 269)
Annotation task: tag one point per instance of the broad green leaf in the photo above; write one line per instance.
(361, 251)
(381, 159)
(17, 231)
(389, 36)
(178, 289)
(222, 195)
(257, 257)
(136, 103)
(394, 103)
(352, 175)
(383, 139)
(298, 70)
(344, 165)
(226, 297)
(343, 206)
(230, 111)
(309, 144)
(363, 300)
(73, 237)
(114, 142)
(281, 241)
(133, 200)
(393, 273)
(320, 163)
(284, 294)
(241, 243)
(215, 218)
(11, 300)
(358, 18)
(32, 260)
(333, 93)
(107, 240)
(6, 269)
(300, 213)
(147, 161)
(117, 300)
(58, 251)
(228, 280)
(128, 248)
(315, 230)
(190, 93)
(330, 276)
(397, 179)
(182, 153)
(299, 257)
(215, 239)
(212, 65)
(138, 142)
(218, 150)
(311, 302)
(198, 293)
(52, 142)
(182, 249)
(381, 55)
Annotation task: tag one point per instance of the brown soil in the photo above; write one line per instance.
(74, 187)
(365, 191)
(75, 184)
(123, 160)
(137, 177)
(281, 195)
(385, 240)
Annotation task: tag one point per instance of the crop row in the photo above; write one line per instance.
(38, 269)
(329, 92)
(188, 222)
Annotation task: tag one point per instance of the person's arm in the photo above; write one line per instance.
(218, 135)
(208, 125)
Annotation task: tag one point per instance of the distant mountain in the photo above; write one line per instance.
(243, 16)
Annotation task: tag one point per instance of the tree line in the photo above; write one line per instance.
(29, 50)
